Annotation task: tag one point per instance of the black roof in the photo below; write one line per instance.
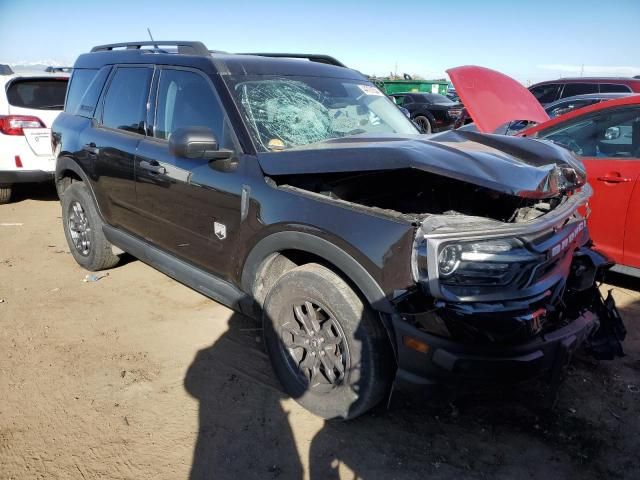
(195, 54)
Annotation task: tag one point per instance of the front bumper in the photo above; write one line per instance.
(9, 177)
(451, 362)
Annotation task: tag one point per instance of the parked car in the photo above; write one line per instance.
(29, 103)
(553, 90)
(554, 109)
(606, 137)
(297, 193)
(432, 112)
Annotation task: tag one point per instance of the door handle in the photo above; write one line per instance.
(91, 148)
(613, 179)
(153, 166)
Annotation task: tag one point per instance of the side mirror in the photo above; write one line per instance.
(197, 142)
(612, 133)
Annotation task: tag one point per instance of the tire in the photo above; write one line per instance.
(5, 194)
(353, 340)
(424, 123)
(83, 229)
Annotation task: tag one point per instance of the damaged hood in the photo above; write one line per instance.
(493, 99)
(516, 166)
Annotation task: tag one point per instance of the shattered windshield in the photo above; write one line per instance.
(295, 111)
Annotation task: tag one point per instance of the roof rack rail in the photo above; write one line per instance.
(184, 47)
(327, 59)
(5, 69)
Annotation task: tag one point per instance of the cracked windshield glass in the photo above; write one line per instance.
(290, 112)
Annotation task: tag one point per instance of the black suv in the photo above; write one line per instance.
(294, 191)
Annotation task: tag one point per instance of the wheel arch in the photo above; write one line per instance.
(68, 171)
(274, 255)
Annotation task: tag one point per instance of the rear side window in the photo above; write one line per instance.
(613, 88)
(186, 99)
(126, 99)
(40, 94)
(572, 89)
(84, 91)
(546, 93)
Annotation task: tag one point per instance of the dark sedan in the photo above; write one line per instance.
(432, 112)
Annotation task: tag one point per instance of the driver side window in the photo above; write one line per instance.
(605, 135)
(187, 99)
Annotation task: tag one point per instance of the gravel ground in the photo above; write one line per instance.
(135, 376)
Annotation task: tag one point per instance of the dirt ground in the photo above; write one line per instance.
(135, 376)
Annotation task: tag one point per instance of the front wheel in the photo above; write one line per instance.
(83, 229)
(328, 349)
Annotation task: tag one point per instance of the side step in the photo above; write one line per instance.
(193, 277)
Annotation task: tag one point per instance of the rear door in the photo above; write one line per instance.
(111, 143)
(189, 207)
(609, 144)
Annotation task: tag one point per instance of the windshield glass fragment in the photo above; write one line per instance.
(290, 112)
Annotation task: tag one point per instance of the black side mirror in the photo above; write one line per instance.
(197, 142)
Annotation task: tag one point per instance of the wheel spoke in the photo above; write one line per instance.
(327, 363)
(312, 315)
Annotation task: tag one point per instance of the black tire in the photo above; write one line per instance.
(5, 194)
(83, 229)
(424, 123)
(363, 351)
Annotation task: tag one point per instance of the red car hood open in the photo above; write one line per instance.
(493, 99)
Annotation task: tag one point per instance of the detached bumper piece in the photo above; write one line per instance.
(606, 342)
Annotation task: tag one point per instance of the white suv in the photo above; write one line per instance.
(29, 103)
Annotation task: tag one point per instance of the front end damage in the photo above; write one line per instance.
(504, 277)
(504, 301)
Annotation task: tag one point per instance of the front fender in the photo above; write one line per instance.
(301, 241)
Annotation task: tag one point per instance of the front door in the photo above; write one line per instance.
(190, 208)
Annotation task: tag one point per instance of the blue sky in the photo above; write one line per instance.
(529, 40)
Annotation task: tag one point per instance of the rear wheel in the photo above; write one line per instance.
(5, 194)
(424, 123)
(328, 349)
(83, 230)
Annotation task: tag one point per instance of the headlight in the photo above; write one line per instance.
(493, 262)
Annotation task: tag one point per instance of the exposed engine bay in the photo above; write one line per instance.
(416, 194)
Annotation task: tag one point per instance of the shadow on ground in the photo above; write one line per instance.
(493, 433)
(44, 192)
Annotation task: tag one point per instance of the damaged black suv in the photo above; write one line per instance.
(289, 188)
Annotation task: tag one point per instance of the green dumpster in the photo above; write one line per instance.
(404, 86)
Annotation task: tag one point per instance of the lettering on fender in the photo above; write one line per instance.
(569, 239)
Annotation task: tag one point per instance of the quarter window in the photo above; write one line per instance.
(186, 99)
(126, 100)
(613, 88)
(572, 89)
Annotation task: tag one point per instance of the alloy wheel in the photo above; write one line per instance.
(79, 228)
(314, 346)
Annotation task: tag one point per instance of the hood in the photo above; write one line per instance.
(493, 99)
(516, 166)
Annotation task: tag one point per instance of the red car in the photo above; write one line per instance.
(606, 136)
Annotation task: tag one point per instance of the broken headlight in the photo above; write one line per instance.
(493, 262)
